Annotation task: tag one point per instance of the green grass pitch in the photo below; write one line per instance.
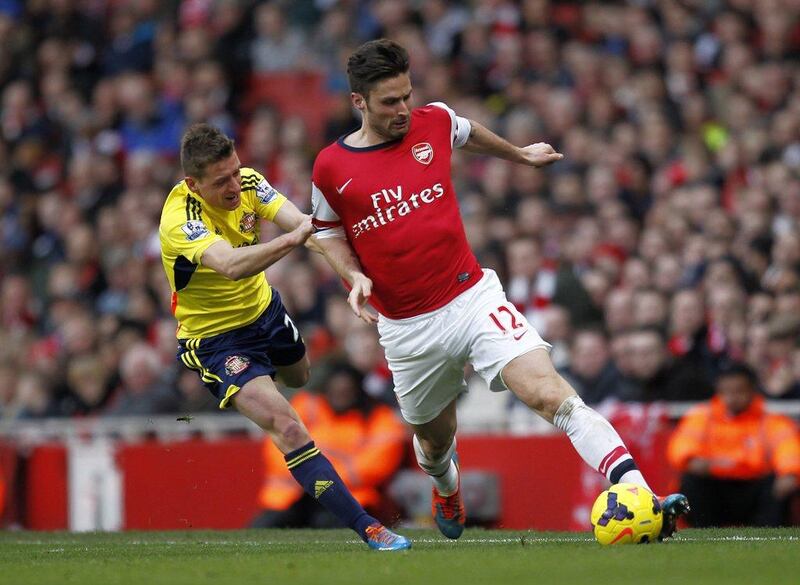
(331, 557)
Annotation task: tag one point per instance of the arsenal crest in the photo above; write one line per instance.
(236, 364)
(247, 223)
(423, 152)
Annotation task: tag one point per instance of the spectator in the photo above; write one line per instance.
(591, 370)
(34, 397)
(277, 45)
(783, 335)
(88, 387)
(366, 355)
(8, 383)
(687, 323)
(650, 309)
(657, 376)
(619, 310)
(142, 390)
(364, 439)
(556, 326)
(739, 463)
(148, 123)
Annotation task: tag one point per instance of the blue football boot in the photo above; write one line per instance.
(381, 538)
(448, 511)
(673, 507)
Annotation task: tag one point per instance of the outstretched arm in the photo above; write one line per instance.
(238, 263)
(483, 141)
(343, 260)
(289, 218)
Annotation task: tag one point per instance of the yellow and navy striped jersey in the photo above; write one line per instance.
(205, 302)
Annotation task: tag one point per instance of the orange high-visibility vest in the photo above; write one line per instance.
(366, 450)
(749, 445)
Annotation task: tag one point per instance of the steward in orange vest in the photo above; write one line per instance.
(739, 463)
(364, 440)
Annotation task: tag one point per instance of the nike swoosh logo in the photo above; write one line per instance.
(627, 532)
(343, 187)
(518, 337)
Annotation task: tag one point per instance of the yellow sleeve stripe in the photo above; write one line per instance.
(291, 464)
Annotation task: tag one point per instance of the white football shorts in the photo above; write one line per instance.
(427, 353)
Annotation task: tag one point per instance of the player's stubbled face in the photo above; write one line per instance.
(221, 185)
(388, 107)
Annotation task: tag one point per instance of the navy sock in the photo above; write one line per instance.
(314, 472)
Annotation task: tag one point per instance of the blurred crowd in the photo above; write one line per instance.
(665, 244)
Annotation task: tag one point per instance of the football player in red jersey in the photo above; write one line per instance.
(389, 224)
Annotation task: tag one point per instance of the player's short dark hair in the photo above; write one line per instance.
(375, 61)
(202, 145)
(730, 369)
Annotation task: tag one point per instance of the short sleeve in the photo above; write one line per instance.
(324, 218)
(460, 128)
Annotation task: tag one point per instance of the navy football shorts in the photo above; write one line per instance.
(227, 361)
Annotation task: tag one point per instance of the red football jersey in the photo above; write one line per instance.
(397, 206)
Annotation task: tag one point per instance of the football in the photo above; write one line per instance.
(626, 514)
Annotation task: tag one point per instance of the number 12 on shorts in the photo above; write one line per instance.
(509, 316)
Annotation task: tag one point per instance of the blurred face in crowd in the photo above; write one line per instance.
(688, 313)
(220, 186)
(667, 273)
(619, 310)
(387, 107)
(788, 303)
(590, 354)
(139, 368)
(759, 306)
(523, 257)
(556, 323)
(786, 249)
(363, 349)
(636, 273)
(650, 308)
(736, 393)
(647, 354)
(726, 304)
(342, 392)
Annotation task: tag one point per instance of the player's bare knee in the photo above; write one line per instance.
(292, 433)
(545, 393)
(436, 449)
